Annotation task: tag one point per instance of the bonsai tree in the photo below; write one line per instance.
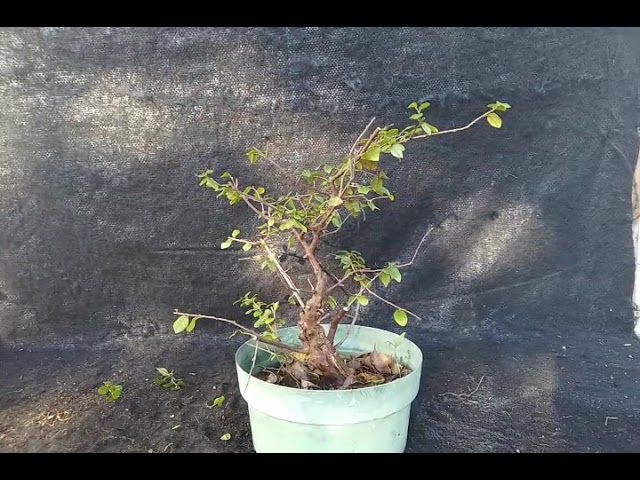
(327, 197)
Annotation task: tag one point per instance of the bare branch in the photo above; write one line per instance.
(366, 129)
(284, 274)
(415, 254)
(392, 304)
(324, 234)
(454, 130)
(353, 321)
(253, 333)
(334, 323)
(340, 283)
(253, 365)
(361, 151)
(251, 206)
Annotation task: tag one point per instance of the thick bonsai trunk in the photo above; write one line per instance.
(322, 354)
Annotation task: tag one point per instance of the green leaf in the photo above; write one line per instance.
(260, 190)
(385, 278)
(413, 105)
(373, 154)
(163, 371)
(218, 401)
(103, 390)
(226, 244)
(181, 324)
(400, 316)
(116, 393)
(377, 185)
(335, 201)
(246, 247)
(205, 174)
(327, 169)
(192, 324)
(494, 120)
(393, 271)
(287, 225)
(426, 128)
(332, 302)
(292, 242)
(362, 300)
(176, 427)
(271, 222)
(336, 221)
(300, 226)
(397, 150)
(424, 106)
(226, 437)
(235, 233)
(416, 116)
(253, 154)
(499, 106)
(363, 190)
(431, 127)
(370, 166)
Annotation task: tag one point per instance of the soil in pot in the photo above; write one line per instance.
(364, 370)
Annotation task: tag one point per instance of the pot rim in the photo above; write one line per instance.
(396, 382)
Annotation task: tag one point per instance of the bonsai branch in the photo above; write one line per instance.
(391, 303)
(459, 129)
(246, 330)
(354, 319)
(334, 323)
(355, 144)
(340, 283)
(415, 254)
(283, 273)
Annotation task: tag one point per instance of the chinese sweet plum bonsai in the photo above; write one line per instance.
(327, 198)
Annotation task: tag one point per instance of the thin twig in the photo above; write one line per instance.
(366, 129)
(244, 329)
(253, 365)
(391, 303)
(285, 275)
(340, 282)
(463, 395)
(353, 321)
(606, 420)
(415, 254)
(454, 130)
(324, 234)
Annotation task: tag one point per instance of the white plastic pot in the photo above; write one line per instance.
(367, 420)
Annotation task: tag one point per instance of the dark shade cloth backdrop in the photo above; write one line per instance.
(104, 231)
